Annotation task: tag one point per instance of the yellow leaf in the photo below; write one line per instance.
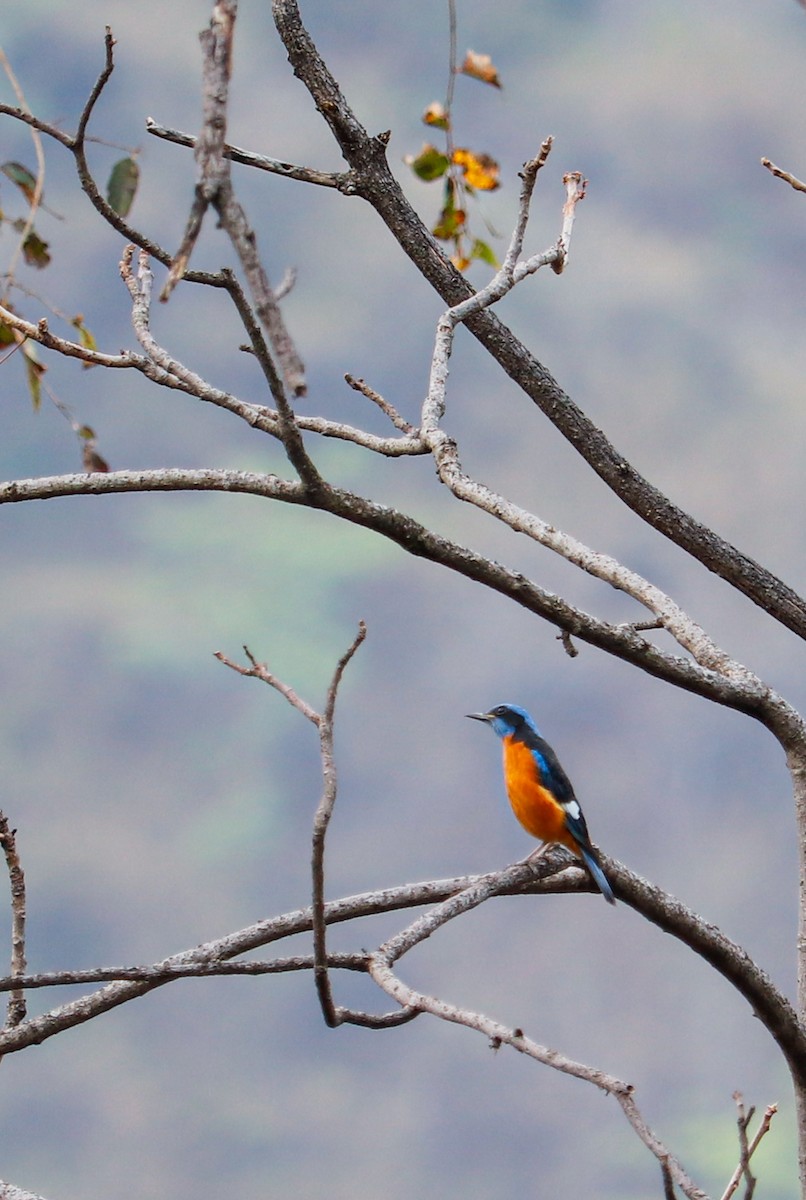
(480, 66)
(481, 172)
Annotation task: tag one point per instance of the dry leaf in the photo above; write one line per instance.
(480, 66)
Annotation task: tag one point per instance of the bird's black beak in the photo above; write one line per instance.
(479, 716)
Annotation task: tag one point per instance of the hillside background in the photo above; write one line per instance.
(161, 801)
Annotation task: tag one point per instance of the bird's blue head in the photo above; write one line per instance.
(507, 719)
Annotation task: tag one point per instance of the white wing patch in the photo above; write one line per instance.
(573, 809)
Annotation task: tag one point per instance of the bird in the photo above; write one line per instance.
(539, 790)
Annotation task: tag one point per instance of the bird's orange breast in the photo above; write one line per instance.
(532, 803)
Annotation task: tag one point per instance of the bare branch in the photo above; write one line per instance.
(743, 694)
(667, 1179)
(498, 1034)
(216, 65)
(399, 422)
(733, 963)
(68, 1016)
(98, 87)
(243, 237)
(747, 1148)
(390, 447)
(575, 187)
(260, 671)
(16, 1003)
(198, 970)
(340, 180)
(170, 371)
(286, 284)
(46, 127)
(528, 181)
(454, 896)
(41, 333)
(785, 175)
(214, 187)
(686, 632)
(157, 365)
(568, 644)
(333, 1016)
(8, 1191)
(376, 183)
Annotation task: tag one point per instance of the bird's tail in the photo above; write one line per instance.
(591, 861)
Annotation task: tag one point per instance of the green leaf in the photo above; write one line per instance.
(86, 432)
(23, 178)
(429, 164)
(35, 250)
(450, 224)
(484, 252)
(122, 186)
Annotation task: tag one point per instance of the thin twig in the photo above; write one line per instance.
(575, 187)
(9, 1191)
(321, 821)
(792, 180)
(399, 422)
(747, 1148)
(209, 151)
(667, 1180)
(234, 221)
(528, 180)
(334, 1014)
(567, 643)
(214, 187)
(163, 972)
(260, 671)
(173, 373)
(17, 1008)
(342, 181)
(39, 184)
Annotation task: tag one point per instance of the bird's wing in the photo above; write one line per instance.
(555, 779)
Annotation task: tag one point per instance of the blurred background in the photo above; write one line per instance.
(161, 801)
